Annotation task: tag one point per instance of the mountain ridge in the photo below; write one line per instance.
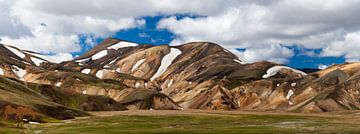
(122, 75)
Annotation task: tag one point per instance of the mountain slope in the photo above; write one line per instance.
(196, 75)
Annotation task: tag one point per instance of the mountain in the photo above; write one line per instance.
(122, 75)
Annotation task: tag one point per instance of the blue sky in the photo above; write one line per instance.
(282, 31)
(149, 34)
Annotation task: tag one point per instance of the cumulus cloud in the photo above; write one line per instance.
(54, 26)
(348, 47)
(322, 66)
(45, 42)
(310, 24)
(274, 53)
(9, 27)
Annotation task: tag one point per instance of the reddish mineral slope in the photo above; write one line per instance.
(120, 75)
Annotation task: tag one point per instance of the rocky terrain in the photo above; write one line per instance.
(121, 75)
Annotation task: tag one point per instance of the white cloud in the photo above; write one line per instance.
(349, 47)
(322, 66)
(250, 24)
(223, 28)
(274, 53)
(8, 26)
(52, 26)
(42, 41)
(54, 31)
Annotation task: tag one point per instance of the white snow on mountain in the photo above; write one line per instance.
(275, 69)
(170, 83)
(99, 55)
(100, 74)
(113, 61)
(118, 70)
(83, 60)
(137, 85)
(166, 62)
(289, 94)
(15, 51)
(122, 44)
(19, 71)
(137, 64)
(58, 84)
(37, 61)
(1, 71)
(238, 61)
(85, 71)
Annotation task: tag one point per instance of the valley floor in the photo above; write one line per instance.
(198, 121)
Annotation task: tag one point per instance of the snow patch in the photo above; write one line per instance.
(122, 44)
(37, 61)
(58, 84)
(118, 70)
(238, 61)
(19, 72)
(83, 60)
(289, 94)
(293, 84)
(113, 61)
(166, 62)
(99, 55)
(137, 64)
(275, 69)
(85, 71)
(15, 51)
(170, 83)
(106, 66)
(1, 71)
(137, 85)
(100, 74)
(33, 122)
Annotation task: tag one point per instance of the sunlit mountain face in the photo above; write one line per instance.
(179, 66)
(118, 74)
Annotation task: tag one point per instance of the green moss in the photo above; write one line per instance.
(211, 124)
(236, 83)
